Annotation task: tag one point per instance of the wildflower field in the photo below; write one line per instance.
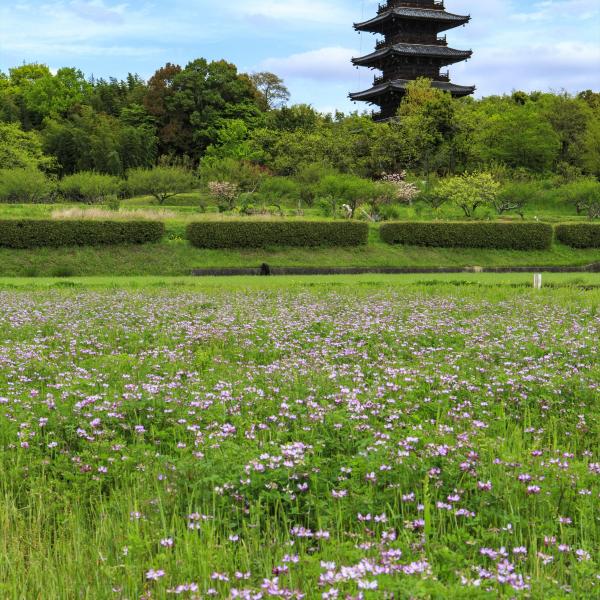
(315, 441)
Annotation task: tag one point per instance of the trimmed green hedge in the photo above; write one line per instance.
(25, 233)
(579, 235)
(261, 234)
(512, 236)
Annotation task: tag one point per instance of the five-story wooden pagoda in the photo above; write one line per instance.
(411, 48)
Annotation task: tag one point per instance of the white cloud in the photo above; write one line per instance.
(560, 9)
(96, 10)
(566, 65)
(71, 29)
(324, 64)
(528, 44)
(322, 11)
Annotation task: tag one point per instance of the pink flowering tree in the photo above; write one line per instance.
(225, 193)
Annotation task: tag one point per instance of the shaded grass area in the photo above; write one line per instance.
(177, 257)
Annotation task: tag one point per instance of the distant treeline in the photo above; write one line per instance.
(208, 112)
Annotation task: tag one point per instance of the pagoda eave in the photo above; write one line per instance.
(448, 55)
(445, 20)
(398, 87)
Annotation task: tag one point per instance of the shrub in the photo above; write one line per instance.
(584, 194)
(308, 177)
(277, 190)
(391, 212)
(161, 182)
(513, 236)
(349, 189)
(260, 234)
(24, 186)
(36, 234)
(515, 195)
(579, 235)
(224, 193)
(385, 194)
(89, 187)
(469, 191)
(510, 198)
(246, 175)
(328, 205)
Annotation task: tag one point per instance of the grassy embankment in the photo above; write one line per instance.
(175, 257)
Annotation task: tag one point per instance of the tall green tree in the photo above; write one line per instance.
(89, 141)
(295, 117)
(427, 126)
(9, 104)
(157, 101)
(590, 147)
(40, 94)
(273, 91)
(21, 79)
(569, 117)
(233, 141)
(112, 96)
(191, 103)
(22, 149)
(518, 136)
(56, 95)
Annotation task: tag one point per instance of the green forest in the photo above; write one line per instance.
(234, 141)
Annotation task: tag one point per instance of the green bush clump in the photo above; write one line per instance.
(277, 190)
(348, 189)
(584, 195)
(261, 234)
(512, 236)
(25, 186)
(579, 235)
(25, 233)
(469, 191)
(89, 187)
(161, 182)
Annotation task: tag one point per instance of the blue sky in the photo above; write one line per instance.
(526, 44)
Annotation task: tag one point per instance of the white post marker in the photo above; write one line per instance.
(537, 281)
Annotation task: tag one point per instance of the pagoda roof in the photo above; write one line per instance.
(400, 85)
(434, 50)
(448, 20)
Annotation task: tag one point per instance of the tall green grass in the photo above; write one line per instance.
(476, 378)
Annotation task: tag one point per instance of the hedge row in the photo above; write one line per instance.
(261, 234)
(35, 233)
(513, 236)
(579, 235)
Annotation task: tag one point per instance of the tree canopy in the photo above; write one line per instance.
(208, 112)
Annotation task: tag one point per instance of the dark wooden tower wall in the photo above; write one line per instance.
(411, 47)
